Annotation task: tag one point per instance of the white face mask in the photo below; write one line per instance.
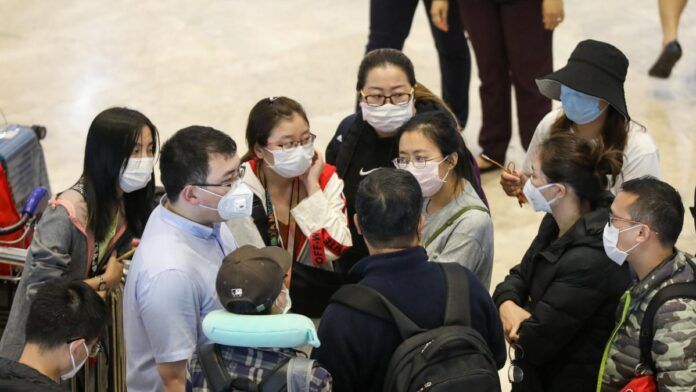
(388, 117)
(286, 297)
(293, 162)
(536, 199)
(610, 237)
(136, 174)
(75, 368)
(428, 177)
(236, 203)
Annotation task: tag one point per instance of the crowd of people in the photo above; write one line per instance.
(394, 207)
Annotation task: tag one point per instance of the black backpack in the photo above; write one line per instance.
(647, 329)
(453, 357)
(293, 374)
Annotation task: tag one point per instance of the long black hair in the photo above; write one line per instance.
(111, 139)
(441, 128)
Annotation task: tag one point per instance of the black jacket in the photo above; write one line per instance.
(357, 148)
(16, 377)
(572, 289)
(355, 347)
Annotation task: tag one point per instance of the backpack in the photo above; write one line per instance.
(647, 331)
(453, 357)
(293, 374)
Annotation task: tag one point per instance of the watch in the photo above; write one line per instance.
(102, 283)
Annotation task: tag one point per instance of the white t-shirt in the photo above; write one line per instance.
(641, 156)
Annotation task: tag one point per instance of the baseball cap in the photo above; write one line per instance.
(250, 278)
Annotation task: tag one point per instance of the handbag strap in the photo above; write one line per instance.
(449, 222)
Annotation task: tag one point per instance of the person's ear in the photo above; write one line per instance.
(562, 190)
(357, 224)
(188, 194)
(644, 234)
(77, 348)
(421, 224)
(258, 150)
(453, 159)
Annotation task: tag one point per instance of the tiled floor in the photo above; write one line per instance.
(208, 61)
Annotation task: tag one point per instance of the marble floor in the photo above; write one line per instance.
(208, 61)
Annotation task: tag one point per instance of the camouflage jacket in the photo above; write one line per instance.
(674, 344)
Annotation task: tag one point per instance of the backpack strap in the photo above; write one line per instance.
(299, 375)
(457, 311)
(276, 379)
(370, 301)
(451, 221)
(218, 378)
(647, 332)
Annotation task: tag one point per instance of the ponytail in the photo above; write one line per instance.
(583, 165)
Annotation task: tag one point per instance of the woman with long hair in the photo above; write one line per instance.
(590, 88)
(85, 227)
(458, 227)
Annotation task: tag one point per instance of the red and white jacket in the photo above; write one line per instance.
(321, 217)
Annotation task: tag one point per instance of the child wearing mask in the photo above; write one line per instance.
(458, 227)
(590, 88)
(298, 199)
(367, 140)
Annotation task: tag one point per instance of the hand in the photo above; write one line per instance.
(311, 177)
(114, 271)
(552, 13)
(512, 182)
(438, 14)
(512, 317)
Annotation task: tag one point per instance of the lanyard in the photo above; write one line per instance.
(276, 239)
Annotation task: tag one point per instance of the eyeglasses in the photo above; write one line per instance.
(417, 162)
(399, 99)
(309, 139)
(515, 372)
(237, 175)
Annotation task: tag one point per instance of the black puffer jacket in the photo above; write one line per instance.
(571, 288)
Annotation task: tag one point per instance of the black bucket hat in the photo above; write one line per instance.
(594, 68)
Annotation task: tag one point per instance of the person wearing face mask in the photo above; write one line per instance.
(646, 219)
(298, 199)
(590, 88)
(250, 288)
(367, 140)
(85, 227)
(77, 316)
(458, 227)
(169, 287)
(557, 306)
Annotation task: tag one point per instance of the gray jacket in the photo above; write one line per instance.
(468, 241)
(62, 248)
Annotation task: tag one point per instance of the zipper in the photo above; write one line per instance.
(607, 348)
(428, 385)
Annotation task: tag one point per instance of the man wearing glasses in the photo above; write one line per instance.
(63, 326)
(646, 220)
(170, 286)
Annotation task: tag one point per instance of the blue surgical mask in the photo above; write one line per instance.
(580, 108)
